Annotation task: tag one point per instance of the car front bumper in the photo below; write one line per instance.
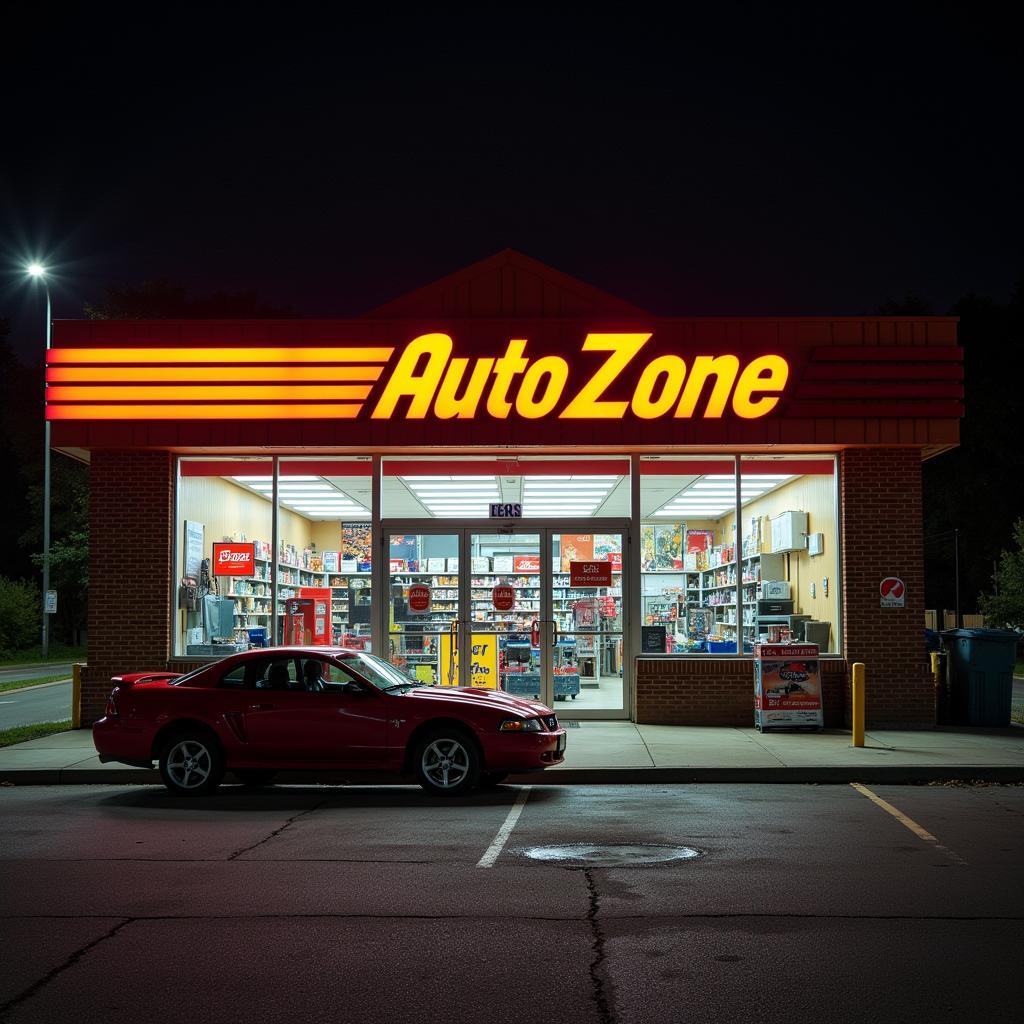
(524, 751)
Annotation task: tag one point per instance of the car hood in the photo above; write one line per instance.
(482, 699)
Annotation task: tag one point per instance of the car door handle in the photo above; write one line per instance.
(261, 707)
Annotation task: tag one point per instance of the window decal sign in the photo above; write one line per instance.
(590, 574)
(234, 560)
(420, 598)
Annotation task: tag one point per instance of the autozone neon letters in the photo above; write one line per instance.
(427, 380)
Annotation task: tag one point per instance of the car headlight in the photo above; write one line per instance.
(520, 725)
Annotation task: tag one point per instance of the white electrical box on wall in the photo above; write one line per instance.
(815, 543)
(789, 531)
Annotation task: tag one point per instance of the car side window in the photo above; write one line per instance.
(235, 679)
(278, 674)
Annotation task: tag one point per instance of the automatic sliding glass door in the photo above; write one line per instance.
(534, 613)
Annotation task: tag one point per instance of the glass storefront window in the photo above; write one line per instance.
(322, 564)
(790, 526)
(688, 564)
(715, 583)
(224, 559)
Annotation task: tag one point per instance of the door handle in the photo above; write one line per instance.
(261, 707)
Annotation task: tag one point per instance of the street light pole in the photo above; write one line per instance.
(39, 273)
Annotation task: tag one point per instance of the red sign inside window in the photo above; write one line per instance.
(234, 560)
(526, 563)
(503, 597)
(615, 557)
(590, 574)
(419, 598)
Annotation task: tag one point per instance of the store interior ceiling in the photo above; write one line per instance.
(555, 496)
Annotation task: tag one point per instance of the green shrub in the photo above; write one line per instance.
(21, 615)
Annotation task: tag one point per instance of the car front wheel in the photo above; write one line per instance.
(447, 763)
(191, 764)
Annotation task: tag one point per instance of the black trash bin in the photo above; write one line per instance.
(981, 674)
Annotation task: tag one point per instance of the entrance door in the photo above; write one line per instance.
(512, 608)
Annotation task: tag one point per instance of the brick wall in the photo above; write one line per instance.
(716, 691)
(131, 509)
(882, 524)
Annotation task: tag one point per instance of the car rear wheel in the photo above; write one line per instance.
(191, 764)
(255, 776)
(447, 763)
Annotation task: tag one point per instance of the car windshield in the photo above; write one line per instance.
(379, 672)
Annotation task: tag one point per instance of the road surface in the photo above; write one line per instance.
(373, 905)
(36, 704)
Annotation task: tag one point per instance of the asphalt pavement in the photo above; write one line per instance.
(15, 672)
(888, 903)
(50, 702)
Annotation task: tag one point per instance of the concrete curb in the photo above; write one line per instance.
(29, 685)
(890, 775)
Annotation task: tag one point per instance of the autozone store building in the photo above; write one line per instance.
(510, 479)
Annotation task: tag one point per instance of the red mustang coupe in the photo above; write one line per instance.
(320, 708)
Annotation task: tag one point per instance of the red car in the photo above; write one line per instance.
(320, 708)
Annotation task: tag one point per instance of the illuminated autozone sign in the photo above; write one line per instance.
(612, 376)
(436, 383)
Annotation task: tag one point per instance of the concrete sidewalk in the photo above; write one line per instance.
(611, 752)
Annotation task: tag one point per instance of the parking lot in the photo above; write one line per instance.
(122, 903)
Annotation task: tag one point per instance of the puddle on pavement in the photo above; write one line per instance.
(594, 855)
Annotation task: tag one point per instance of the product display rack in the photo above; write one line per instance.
(719, 582)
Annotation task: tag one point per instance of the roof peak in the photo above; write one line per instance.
(507, 284)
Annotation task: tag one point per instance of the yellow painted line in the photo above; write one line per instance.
(909, 823)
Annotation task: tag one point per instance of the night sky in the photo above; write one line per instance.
(751, 161)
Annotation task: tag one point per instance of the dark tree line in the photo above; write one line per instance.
(977, 490)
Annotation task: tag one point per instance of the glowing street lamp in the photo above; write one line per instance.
(38, 272)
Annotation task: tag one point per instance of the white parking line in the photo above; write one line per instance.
(921, 833)
(494, 850)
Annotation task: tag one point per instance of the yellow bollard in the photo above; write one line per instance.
(76, 696)
(858, 704)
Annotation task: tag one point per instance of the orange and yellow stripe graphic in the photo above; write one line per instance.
(211, 383)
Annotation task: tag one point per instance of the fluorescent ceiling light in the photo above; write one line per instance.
(587, 476)
(456, 477)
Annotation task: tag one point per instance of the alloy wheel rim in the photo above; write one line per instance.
(446, 763)
(189, 764)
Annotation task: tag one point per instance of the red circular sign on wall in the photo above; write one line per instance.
(503, 597)
(419, 598)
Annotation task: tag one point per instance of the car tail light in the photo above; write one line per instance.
(111, 708)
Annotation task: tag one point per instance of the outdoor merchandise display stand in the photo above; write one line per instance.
(787, 687)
